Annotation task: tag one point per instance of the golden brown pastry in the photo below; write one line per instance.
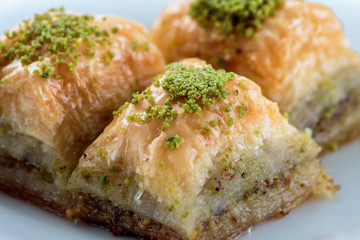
(200, 154)
(296, 51)
(61, 76)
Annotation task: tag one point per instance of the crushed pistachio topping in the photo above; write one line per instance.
(135, 45)
(58, 34)
(213, 123)
(233, 16)
(162, 164)
(195, 88)
(242, 110)
(146, 46)
(205, 129)
(115, 30)
(173, 141)
(192, 89)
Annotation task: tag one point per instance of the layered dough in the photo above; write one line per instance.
(300, 58)
(215, 184)
(45, 124)
(199, 154)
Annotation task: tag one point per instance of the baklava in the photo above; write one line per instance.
(61, 77)
(200, 154)
(295, 50)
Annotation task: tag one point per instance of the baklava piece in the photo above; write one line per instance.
(61, 76)
(200, 154)
(295, 50)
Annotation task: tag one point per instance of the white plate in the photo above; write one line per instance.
(335, 219)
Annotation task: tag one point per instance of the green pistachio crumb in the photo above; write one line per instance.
(127, 180)
(134, 101)
(227, 109)
(173, 190)
(213, 123)
(121, 109)
(242, 110)
(135, 45)
(60, 168)
(100, 153)
(111, 55)
(206, 129)
(146, 46)
(103, 183)
(230, 121)
(302, 149)
(173, 141)
(332, 147)
(286, 116)
(115, 30)
(57, 32)
(162, 164)
(200, 87)
(233, 16)
(184, 214)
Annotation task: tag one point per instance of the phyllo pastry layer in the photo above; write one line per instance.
(61, 76)
(200, 154)
(296, 51)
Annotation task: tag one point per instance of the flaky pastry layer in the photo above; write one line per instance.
(300, 58)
